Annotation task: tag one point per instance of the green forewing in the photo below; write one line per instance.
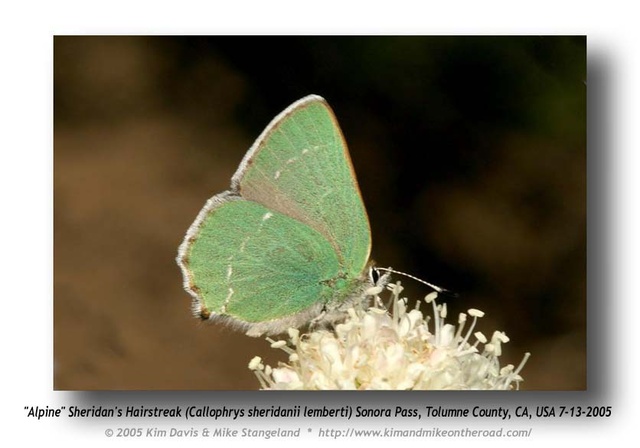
(256, 264)
(302, 169)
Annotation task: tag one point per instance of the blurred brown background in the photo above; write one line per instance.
(470, 153)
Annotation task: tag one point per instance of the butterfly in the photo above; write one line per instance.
(289, 242)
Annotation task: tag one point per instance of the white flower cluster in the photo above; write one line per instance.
(374, 349)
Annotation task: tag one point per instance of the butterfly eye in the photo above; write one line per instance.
(374, 275)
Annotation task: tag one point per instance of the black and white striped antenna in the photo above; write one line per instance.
(430, 285)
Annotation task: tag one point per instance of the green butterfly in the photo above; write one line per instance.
(289, 242)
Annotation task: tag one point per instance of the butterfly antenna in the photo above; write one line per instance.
(432, 286)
